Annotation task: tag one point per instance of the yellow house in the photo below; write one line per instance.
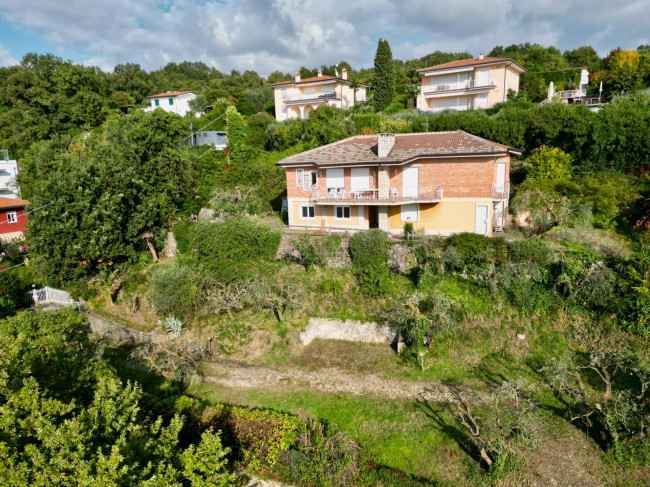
(300, 97)
(468, 84)
(441, 182)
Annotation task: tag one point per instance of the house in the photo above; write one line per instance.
(577, 97)
(300, 97)
(8, 175)
(442, 182)
(468, 84)
(173, 101)
(216, 138)
(12, 219)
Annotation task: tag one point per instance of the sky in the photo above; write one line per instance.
(269, 35)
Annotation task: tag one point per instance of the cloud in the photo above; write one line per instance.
(6, 59)
(265, 35)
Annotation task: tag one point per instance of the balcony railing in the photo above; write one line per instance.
(340, 195)
(465, 85)
(310, 96)
(501, 192)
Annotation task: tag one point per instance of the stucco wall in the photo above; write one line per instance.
(444, 218)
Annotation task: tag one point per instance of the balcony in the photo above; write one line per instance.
(339, 196)
(464, 87)
(500, 192)
(309, 97)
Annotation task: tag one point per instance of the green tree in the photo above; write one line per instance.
(384, 76)
(237, 132)
(198, 104)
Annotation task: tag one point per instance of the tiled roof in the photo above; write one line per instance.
(169, 93)
(468, 62)
(362, 149)
(12, 202)
(309, 80)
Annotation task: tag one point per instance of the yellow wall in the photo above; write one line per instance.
(329, 220)
(448, 216)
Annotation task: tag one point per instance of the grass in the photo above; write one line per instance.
(399, 433)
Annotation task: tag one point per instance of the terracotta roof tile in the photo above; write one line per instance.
(362, 149)
(313, 79)
(13, 202)
(467, 62)
(169, 93)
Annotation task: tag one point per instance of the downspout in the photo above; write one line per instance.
(505, 71)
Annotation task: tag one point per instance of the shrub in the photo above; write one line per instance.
(476, 249)
(374, 276)
(549, 163)
(408, 228)
(315, 251)
(182, 232)
(231, 248)
(238, 201)
(174, 290)
(255, 435)
(394, 126)
(529, 250)
(12, 293)
(365, 246)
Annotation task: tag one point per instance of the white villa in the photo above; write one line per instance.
(173, 101)
(8, 177)
(300, 97)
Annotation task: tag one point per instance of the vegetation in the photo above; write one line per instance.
(383, 77)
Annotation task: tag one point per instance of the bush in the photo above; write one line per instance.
(315, 251)
(549, 163)
(257, 436)
(175, 290)
(374, 276)
(12, 293)
(232, 248)
(366, 246)
(182, 233)
(529, 250)
(475, 250)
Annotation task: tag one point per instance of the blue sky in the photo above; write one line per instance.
(265, 35)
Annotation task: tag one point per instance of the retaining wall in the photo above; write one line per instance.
(348, 330)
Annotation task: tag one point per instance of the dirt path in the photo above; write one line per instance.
(229, 373)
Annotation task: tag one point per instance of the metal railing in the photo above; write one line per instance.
(50, 295)
(335, 195)
(465, 85)
(501, 192)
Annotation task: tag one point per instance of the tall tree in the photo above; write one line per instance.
(384, 76)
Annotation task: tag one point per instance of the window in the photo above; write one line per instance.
(157, 102)
(482, 100)
(410, 213)
(11, 217)
(314, 178)
(283, 93)
(307, 212)
(342, 213)
(299, 176)
(335, 178)
(171, 101)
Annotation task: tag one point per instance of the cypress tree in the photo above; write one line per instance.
(236, 130)
(383, 83)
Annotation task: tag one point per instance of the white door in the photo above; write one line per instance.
(483, 77)
(482, 217)
(501, 178)
(410, 182)
(360, 179)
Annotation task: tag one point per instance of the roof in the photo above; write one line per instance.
(169, 93)
(6, 203)
(470, 62)
(362, 149)
(313, 79)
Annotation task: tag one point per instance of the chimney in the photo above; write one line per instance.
(320, 73)
(385, 143)
(480, 56)
(297, 76)
(344, 73)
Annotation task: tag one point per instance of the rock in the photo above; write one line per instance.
(348, 330)
(207, 214)
(400, 259)
(521, 336)
(170, 249)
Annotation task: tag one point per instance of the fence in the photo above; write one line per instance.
(50, 295)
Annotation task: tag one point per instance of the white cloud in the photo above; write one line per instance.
(6, 59)
(265, 35)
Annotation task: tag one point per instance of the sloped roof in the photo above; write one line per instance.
(362, 149)
(6, 203)
(169, 93)
(314, 79)
(470, 62)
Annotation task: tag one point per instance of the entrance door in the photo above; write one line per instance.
(482, 217)
(373, 221)
(410, 182)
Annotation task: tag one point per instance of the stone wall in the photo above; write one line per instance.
(348, 330)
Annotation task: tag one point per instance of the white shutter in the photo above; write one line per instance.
(360, 179)
(501, 177)
(410, 182)
(335, 178)
(483, 77)
(482, 100)
(306, 182)
(410, 213)
(299, 176)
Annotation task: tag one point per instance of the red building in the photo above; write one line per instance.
(12, 218)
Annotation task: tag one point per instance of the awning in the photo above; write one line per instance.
(449, 94)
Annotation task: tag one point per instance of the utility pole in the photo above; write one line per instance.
(192, 134)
